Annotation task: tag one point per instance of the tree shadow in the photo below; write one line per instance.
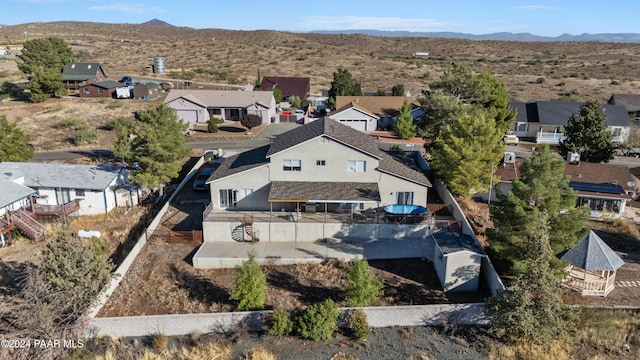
(306, 294)
(11, 275)
(231, 129)
(199, 288)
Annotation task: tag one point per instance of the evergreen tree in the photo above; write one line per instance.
(465, 153)
(343, 84)
(156, 142)
(364, 287)
(249, 285)
(397, 90)
(586, 133)
(14, 144)
(541, 188)
(404, 125)
(43, 60)
(277, 95)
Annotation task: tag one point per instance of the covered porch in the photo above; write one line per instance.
(549, 135)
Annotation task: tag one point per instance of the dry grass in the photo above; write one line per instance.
(526, 351)
(260, 353)
(205, 350)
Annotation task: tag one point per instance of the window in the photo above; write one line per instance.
(235, 114)
(350, 206)
(356, 166)
(320, 162)
(227, 198)
(404, 198)
(100, 91)
(245, 193)
(216, 112)
(522, 127)
(617, 131)
(87, 91)
(292, 165)
(79, 192)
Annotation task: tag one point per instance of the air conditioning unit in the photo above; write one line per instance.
(573, 157)
(509, 157)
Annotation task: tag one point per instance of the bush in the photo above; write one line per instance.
(540, 80)
(249, 285)
(212, 125)
(251, 120)
(364, 287)
(280, 323)
(85, 135)
(318, 321)
(358, 325)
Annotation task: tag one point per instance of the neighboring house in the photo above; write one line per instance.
(77, 75)
(603, 188)
(198, 106)
(368, 113)
(631, 102)
(102, 89)
(146, 91)
(289, 86)
(545, 121)
(85, 189)
(457, 260)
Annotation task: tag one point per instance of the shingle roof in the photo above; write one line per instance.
(378, 105)
(39, 175)
(593, 254)
(298, 86)
(453, 242)
(354, 106)
(243, 161)
(558, 112)
(217, 98)
(403, 167)
(323, 191)
(630, 101)
(109, 84)
(12, 192)
(80, 71)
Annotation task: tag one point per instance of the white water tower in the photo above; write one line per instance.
(158, 65)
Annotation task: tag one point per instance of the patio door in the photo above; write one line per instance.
(227, 198)
(62, 196)
(404, 198)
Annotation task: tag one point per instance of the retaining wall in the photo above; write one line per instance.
(142, 240)
(175, 325)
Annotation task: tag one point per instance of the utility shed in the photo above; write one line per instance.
(457, 260)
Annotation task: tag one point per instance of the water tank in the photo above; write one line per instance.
(158, 65)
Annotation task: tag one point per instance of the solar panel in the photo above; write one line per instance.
(601, 188)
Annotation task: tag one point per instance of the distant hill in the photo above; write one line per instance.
(156, 22)
(503, 36)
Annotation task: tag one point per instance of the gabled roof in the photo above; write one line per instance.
(352, 105)
(12, 192)
(378, 105)
(289, 86)
(329, 128)
(43, 175)
(109, 84)
(401, 166)
(241, 162)
(80, 71)
(631, 102)
(222, 98)
(558, 112)
(454, 242)
(593, 254)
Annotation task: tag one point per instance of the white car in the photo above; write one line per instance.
(511, 139)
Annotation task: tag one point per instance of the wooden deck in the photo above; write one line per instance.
(593, 284)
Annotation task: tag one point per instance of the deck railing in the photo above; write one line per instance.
(549, 137)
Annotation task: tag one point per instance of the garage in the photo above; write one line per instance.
(357, 124)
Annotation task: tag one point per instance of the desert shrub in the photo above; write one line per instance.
(540, 80)
(85, 135)
(113, 124)
(260, 353)
(358, 324)
(212, 125)
(280, 323)
(249, 285)
(364, 287)
(318, 321)
(250, 121)
(74, 124)
(160, 342)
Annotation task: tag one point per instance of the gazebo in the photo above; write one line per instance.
(593, 266)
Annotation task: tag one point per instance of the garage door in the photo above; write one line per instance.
(360, 125)
(190, 116)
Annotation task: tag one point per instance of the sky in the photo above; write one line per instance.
(539, 17)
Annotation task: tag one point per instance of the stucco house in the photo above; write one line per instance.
(544, 121)
(457, 260)
(289, 86)
(77, 75)
(317, 171)
(368, 113)
(74, 189)
(604, 188)
(198, 106)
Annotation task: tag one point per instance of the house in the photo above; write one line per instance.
(198, 106)
(289, 86)
(631, 102)
(368, 113)
(322, 171)
(71, 189)
(544, 121)
(102, 89)
(77, 75)
(14, 196)
(601, 187)
(592, 267)
(146, 91)
(457, 260)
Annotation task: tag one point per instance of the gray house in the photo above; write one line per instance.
(457, 260)
(368, 113)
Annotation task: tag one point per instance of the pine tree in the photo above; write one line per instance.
(586, 133)
(343, 84)
(249, 285)
(364, 287)
(14, 144)
(404, 126)
(43, 60)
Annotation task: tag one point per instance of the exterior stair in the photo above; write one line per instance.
(33, 229)
(247, 223)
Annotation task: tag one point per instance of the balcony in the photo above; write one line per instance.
(56, 210)
(549, 137)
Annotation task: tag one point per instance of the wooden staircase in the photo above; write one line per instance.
(247, 223)
(30, 227)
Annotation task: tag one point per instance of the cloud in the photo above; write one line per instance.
(135, 8)
(538, 7)
(378, 23)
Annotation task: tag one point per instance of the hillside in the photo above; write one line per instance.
(531, 70)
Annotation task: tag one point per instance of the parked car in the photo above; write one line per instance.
(127, 81)
(201, 180)
(510, 138)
